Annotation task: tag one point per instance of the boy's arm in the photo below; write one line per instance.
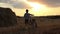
(31, 14)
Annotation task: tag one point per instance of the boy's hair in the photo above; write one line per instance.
(27, 10)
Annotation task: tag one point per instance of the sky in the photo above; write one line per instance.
(36, 7)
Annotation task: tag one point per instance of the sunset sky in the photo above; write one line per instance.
(36, 7)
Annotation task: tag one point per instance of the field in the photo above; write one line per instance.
(44, 26)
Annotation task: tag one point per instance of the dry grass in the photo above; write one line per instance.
(44, 26)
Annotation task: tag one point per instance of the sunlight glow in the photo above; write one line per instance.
(36, 6)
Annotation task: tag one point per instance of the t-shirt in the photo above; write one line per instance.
(27, 16)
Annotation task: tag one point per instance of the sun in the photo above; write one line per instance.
(36, 6)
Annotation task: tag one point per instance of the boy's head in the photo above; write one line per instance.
(27, 10)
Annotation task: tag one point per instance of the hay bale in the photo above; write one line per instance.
(7, 17)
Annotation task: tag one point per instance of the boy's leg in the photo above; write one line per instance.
(26, 21)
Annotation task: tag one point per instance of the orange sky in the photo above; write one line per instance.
(35, 8)
(42, 12)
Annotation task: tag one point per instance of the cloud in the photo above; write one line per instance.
(50, 3)
(5, 5)
(21, 5)
(16, 3)
(5, 1)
